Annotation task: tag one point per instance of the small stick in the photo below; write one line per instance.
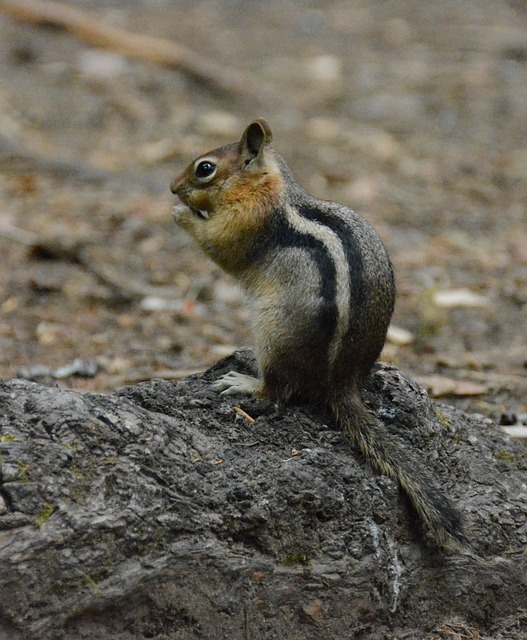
(147, 48)
(243, 413)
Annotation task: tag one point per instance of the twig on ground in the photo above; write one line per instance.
(143, 47)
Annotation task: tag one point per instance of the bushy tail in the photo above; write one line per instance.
(387, 454)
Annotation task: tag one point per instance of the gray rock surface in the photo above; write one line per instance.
(162, 512)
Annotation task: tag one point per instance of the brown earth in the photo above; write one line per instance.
(413, 113)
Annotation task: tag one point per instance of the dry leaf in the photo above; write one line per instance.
(313, 610)
(399, 336)
(10, 305)
(222, 350)
(258, 576)
(442, 386)
(459, 298)
(47, 332)
(516, 431)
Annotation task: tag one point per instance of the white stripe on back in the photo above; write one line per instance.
(342, 286)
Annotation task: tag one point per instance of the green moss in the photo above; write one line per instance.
(44, 515)
(8, 437)
(297, 558)
(506, 456)
(79, 495)
(23, 474)
(443, 419)
(89, 581)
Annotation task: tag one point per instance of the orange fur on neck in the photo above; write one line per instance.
(239, 219)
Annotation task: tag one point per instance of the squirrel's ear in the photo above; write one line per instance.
(257, 136)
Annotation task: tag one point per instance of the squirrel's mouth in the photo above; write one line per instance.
(181, 209)
(200, 213)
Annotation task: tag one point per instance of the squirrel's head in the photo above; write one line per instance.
(228, 194)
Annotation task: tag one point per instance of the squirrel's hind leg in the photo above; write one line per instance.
(234, 383)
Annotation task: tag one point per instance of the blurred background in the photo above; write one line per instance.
(412, 113)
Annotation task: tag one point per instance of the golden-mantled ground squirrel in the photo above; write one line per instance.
(322, 292)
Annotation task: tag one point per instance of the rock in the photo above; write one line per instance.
(161, 512)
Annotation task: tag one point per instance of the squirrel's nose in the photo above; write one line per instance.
(176, 184)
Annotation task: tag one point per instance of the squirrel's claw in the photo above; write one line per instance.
(234, 383)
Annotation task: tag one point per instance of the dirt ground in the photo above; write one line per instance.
(413, 113)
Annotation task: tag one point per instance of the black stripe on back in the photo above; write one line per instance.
(350, 245)
(281, 234)
(364, 339)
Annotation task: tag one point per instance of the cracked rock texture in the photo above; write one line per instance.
(161, 511)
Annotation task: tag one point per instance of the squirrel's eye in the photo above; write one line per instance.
(205, 169)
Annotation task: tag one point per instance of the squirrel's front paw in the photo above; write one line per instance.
(234, 383)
